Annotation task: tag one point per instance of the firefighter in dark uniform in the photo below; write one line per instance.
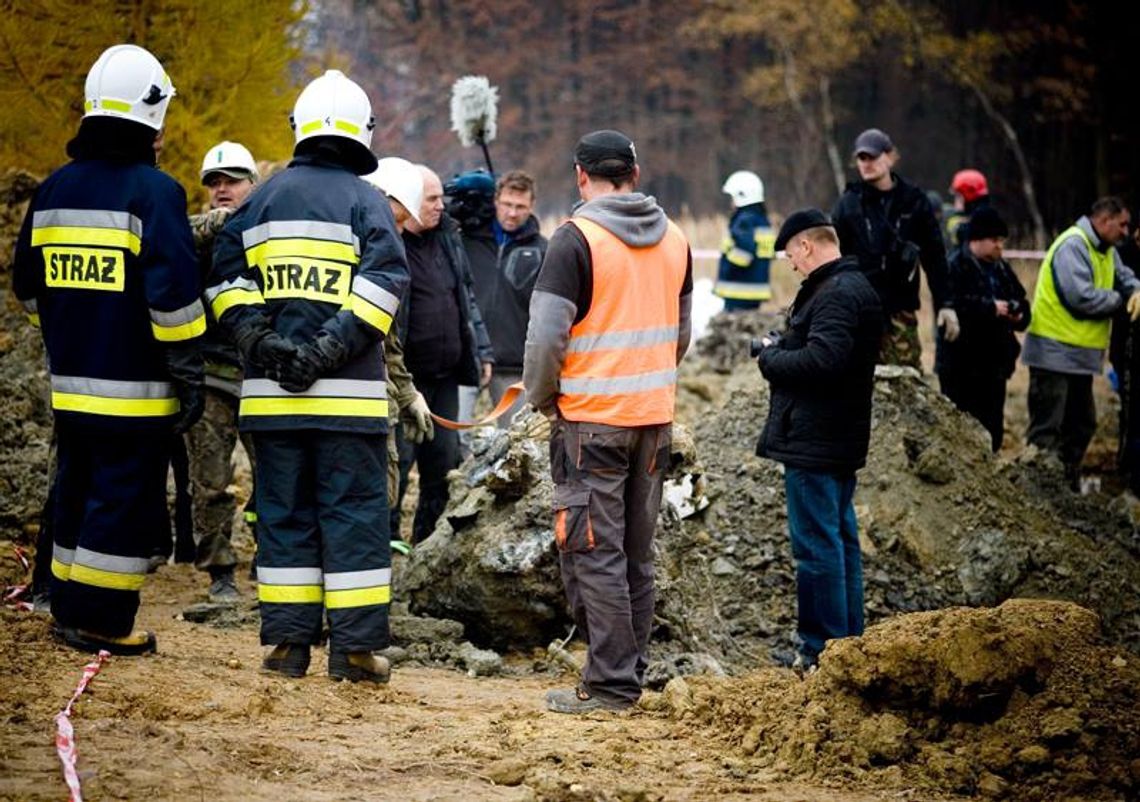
(746, 255)
(307, 278)
(105, 265)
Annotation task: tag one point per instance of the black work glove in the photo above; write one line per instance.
(318, 357)
(262, 347)
(191, 403)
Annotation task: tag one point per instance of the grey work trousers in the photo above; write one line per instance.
(1062, 415)
(607, 493)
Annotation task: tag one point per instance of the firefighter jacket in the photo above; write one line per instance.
(105, 265)
(610, 315)
(746, 256)
(314, 249)
(892, 233)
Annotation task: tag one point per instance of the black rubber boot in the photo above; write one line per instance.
(359, 667)
(289, 659)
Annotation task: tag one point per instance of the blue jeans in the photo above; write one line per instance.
(829, 566)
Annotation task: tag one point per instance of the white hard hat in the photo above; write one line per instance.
(333, 105)
(128, 82)
(231, 158)
(745, 187)
(400, 179)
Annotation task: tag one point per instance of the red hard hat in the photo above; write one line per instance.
(970, 184)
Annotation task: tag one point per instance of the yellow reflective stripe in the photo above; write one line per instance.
(184, 331)
(83, 235)
(345, 125)
(34, 319)
(357, 597)
(371, 314)
(60, 570)
(290, 594)
(105, 579)
(250, 517)
(765, 243)
(299, 246)
(739, 257)
(313, 126)
(232, 298)
(335, 407)
(122, 407)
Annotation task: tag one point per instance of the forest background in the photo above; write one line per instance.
(1037, 95)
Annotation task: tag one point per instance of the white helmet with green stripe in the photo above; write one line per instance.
(333, 105)
(128, 82)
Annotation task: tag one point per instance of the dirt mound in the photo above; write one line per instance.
(1021, 702)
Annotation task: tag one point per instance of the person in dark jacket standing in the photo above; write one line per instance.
(746, 253)
(104, 265)
(991, 306)
(307, 279)
(821, 374)
(445, 345)
(887, 224)
(505, 256)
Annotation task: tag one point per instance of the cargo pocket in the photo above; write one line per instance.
(573, 531)
(602, 452)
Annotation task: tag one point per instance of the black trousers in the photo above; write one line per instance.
(322, 519)
(981, 395)
(108, 501)
(1062, 415)
(434, 458)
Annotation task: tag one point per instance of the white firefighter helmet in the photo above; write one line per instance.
(400, 179)
(128, 82)
(232, 159)
(745, 187)
(333, 105)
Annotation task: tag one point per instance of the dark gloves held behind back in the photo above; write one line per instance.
(184, 363)
(318, 357)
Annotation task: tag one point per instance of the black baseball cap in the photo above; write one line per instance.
(606, 153)
(798, 222)
(873, 142)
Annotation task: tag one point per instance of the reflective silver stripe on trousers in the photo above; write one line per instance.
(111, 388)
(742, 287)
(109, 562)
(88, 218)
(187, 314)
(288, 576)
(635, 338)
(378, 296)
(619, 384)
(238, 283)
(60, 554)
(351, 580)
(322, 388)
(305, 229)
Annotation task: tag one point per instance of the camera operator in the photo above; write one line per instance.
(821, 373)
(888, 224)
(991, 306)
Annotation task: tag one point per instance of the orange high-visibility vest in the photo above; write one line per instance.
(621, 362)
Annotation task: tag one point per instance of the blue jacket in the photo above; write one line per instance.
(746, 256)
(105, 265)
(315, 248)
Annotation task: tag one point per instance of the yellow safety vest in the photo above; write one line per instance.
(1050, 317)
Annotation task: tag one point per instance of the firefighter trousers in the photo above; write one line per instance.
(109, 499)
(322, 538)
(607, 493)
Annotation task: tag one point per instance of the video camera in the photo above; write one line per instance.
(756, 344)
(470, 198)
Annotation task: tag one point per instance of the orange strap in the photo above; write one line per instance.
(505, 403)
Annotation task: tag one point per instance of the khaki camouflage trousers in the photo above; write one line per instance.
(900, 344)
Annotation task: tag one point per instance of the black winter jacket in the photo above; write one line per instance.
(986, 344)
(876, 227)
(822, 373)
(476, 346)
(504, 278)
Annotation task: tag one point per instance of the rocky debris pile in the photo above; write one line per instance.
(24, 405)
(1020, 702)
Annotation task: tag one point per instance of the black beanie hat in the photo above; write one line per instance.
(986, 223)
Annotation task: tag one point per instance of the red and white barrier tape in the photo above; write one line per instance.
(702, 253)
(14, 594)
(65, 734)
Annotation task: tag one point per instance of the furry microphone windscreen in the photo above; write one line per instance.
(473, 109)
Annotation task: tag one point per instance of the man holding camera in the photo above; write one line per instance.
(887, 223)
(821, 374)
(991, 305)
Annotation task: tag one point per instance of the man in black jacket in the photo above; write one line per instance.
(445, 345)
(821, 373)
(888, 225)
(991, 304)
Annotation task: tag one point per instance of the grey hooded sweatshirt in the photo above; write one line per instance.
(565, 287)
